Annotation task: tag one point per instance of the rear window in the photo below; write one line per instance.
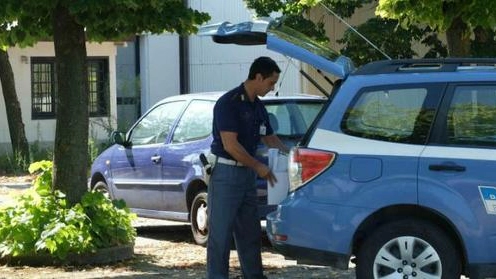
(389, 115)
(292, 119)
(471, 116)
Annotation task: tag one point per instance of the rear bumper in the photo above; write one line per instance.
(480, 271)
(303, 255)
(310, 256)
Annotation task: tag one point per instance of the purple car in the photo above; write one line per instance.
(155, 166)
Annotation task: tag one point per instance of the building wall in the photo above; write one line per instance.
(218, 67)
(159, 68)
(43, 131)
(128, 85)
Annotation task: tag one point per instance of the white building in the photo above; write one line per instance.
(33, 69)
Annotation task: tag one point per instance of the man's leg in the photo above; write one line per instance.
(223, 202)
(247, 233)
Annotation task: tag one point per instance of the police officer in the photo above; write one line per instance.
(240, 122)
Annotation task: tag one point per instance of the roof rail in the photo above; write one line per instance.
(426, 65)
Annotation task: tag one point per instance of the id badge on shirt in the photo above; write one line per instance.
(263, 130)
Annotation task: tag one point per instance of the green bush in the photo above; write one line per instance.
(41, 222)
(10, 164)
(38, 153)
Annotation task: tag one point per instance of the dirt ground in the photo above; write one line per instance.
(166, 250)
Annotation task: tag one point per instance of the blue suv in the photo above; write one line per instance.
(398, 171)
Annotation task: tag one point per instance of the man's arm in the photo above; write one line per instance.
(239, 153)
(274, 142)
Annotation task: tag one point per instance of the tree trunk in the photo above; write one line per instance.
(20, 146)
(483, 43)
(71, 135)
(458, 37)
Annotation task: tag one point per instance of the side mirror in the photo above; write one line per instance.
(118, 138)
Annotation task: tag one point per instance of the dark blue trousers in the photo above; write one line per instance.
(233, 210)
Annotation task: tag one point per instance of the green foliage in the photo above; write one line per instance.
(293, 15)
(29, 21)
(392, 38)
(395, 40)
(403, 24)
(43, 182)
(39, 153)
(109, 221)
(41, 222)
(11, 164)
(439, 13)
(469, 25)
(93, 150)
(117, 18)
(345, 8)
(483, 43)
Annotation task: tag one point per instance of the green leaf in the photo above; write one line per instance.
(44, 224)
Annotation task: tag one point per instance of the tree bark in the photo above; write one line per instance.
(20, 146)
(458, 38)
(71, 134)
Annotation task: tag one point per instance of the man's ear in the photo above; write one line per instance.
(259, 77)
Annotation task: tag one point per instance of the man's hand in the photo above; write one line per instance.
(264, 172)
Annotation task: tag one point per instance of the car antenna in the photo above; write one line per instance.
(354, 30)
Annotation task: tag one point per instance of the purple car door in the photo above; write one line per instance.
(181, 165)
(139, 166)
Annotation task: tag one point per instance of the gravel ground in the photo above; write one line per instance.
(166, 250)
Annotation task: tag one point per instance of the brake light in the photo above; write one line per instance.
(305, 164)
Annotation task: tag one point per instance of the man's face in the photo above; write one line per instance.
(266, 84)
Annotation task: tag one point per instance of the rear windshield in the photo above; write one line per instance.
(292, 119)
(288, 34)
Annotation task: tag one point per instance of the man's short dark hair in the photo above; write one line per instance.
(263, 65)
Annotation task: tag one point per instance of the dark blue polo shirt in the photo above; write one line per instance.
(233, 112)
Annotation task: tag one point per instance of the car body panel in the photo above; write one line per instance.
(133, 169)
(457, 195)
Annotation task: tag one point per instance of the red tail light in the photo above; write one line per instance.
(305, 164)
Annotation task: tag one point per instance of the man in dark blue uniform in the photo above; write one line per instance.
(240, 122)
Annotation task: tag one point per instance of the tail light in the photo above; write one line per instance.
(305, 164)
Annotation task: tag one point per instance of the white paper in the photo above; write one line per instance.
(278, 163)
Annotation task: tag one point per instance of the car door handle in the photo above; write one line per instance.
(447, 167)
(156, 159)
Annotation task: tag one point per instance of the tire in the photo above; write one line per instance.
(102, 187)
(386, 252)
(199, 218)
